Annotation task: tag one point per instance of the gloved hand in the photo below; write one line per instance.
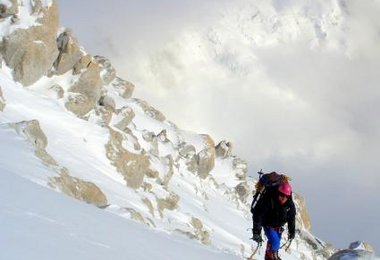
(291, 235)
(257, 236)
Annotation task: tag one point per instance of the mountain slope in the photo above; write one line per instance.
(69, 123)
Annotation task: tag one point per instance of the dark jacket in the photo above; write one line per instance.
(269, 212)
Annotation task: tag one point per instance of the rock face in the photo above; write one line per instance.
(69, 53)
(79, 189)
(243, 191)
(127, 115)
(31, 52)
(124, 88)
(169, 203)
(134, 167)
(151, 111)
(85, 93)
(206, 157)
(223, 149)
(108, 72)
(2, 101)
(200, 234)
(303, 214)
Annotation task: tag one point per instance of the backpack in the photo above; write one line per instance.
(267, 186)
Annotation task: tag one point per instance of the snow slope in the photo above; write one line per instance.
(39, 223)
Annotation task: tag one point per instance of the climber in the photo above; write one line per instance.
(272, 212)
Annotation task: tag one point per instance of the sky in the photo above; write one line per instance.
(292, 84)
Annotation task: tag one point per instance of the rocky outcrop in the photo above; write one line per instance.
(361, 245)
(107, 71)
(240, 168)
(200, 234)
(169, 203)
(32, 131)
(134, 167)
(357, 250)
(58, 90)
(135, 215)
(206, 157)
(123, 87)
(31, 52)
(303, 217)
(79, 189)
(69, 53)
(105, 110)
(8, 9)
(107, 102)
(243, 191)
(2, 101)
(151, 111)
(223, 149)
(126, 115)
(170, 163)
(85, 93)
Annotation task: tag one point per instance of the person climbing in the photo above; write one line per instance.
(273, 210)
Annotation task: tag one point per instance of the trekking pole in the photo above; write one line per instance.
(287, 244)
(255, 251)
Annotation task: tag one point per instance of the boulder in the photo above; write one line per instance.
(163, 136)
(206, 157)
(200, 234)
(31, 52)
(123, 87)
(169, 203)
(107, 102)
(79, 189)
(107, 71)
(223, 149)
(32, 131)
(85, 92)
(150, 111)
(187, 150)
(8, 9)
(69, 53)
(133, 167)
(192, 164)
(243, 191)
(127, 115)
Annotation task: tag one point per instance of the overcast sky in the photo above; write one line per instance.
(300, 96)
